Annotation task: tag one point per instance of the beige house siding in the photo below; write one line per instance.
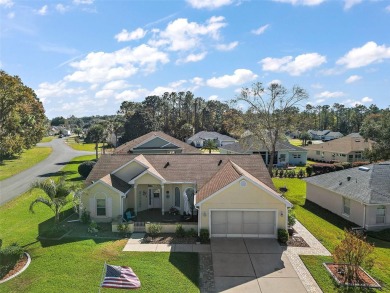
(147, 179)
(237, 197)
(334, 202)
(130, 171)
(101, 191)
(320, 155)
(371, 223)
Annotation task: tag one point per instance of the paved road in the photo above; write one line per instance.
(20, 183)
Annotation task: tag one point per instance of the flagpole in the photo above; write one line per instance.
(102, 278)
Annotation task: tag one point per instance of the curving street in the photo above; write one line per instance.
(20, 183)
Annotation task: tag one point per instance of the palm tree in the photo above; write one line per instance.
(56, 193)
(209, 145)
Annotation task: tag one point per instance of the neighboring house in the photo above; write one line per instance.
(199, 138)
(233, 195)
(286, 153)
(324, 135)
(156, 142)
(360, 195)
(349, 148)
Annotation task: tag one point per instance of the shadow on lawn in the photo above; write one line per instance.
(185, 263)
(58, 174)
(47, 236)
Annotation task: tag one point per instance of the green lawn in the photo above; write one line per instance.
(81, 146)
(26, 160)
(48, 138)
(328, 229)
(75, 265)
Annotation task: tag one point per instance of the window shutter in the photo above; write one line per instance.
(109, 207)
(92, 207)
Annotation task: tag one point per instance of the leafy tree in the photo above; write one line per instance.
(95, 134)
(78, 131)
(138, 124)
(57, 121)
(85, 168)
(377, 128)
(304, 136)
(270, 112)
(353, 252)
(209, 145)
(22, 116)
(186, 131)
(56, 196)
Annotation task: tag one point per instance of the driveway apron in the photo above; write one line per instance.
(253, 265)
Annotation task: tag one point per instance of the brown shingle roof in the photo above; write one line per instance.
(185, 167)
(128, 146)
(344, 145)
(116, 182)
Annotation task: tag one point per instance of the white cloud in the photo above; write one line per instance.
(48, 90)
(86, 2)
(328, 94)
(208, 4)
(297, 66)
(275, 81)
(116, 85)
(11, 15)
(193, 58)
(6, 3)
(181, 35)
(125, 36)
(301, 2)
(260, 30)
(226, 47)
(197, 81)
(61, 8)
(353, 78)
(104, 94)
(353, 103)
(43, 10)
(213, 98)
(239, 77)
(367, 100)
(177, 84)
(103, 67)
(348, 4)
(366, 55)
(132, 94)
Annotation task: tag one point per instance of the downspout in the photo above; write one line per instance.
(199, 214)
(364, 216)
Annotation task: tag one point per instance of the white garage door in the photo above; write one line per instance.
(243, 223)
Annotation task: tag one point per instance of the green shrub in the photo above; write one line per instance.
(282, 235)
(85, 168)
(291, 220)
(192, 233)
(1, 243)
(309, 170)
(301, 173)
(93, 227)
(85, 217)
(346, 165)
(9, 256)
(123, 228)
(154, 229)
(204, 236)
(180, 231)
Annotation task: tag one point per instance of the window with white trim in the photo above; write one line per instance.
(380, 214)
(100, 207)
(346, 206)
(296, 156)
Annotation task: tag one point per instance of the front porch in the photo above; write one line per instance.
(155, 216)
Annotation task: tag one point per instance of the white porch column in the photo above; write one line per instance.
(135, 199)
(162, 199)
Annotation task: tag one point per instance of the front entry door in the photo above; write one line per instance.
(150, 198)
(154, 198)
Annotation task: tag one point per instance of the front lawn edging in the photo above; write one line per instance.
(21, 271)
(375, 285)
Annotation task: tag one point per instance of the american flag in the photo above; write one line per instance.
(120, 277)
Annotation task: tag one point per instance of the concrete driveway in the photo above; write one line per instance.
(252, 265)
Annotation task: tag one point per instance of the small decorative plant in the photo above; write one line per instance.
(180, 232)
(291, 220)
(204, 236)
(85, 217)
(282, 235)
(93, 227)
(123, 228)
(154, 229)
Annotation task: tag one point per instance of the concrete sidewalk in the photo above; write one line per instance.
(199, 248)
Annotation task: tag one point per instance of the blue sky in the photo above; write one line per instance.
(85, 57)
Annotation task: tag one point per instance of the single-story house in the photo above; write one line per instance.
(324, 135)
(360, 195)
(156, 142)
(349, 148)
(286, 153)
(233, 195)
(199, 138)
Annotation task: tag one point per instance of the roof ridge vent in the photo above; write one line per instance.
(366, 169)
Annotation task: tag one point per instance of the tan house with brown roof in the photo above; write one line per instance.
(233, 195)
(156, 142)
(349, 148)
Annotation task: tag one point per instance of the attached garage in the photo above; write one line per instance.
(243, 223)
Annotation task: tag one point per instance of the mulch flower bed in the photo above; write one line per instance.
(168, 238)
(363, 280)
(19, 265)
(297, 241)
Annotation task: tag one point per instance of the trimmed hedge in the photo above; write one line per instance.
(85, 168)
(9, 256)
